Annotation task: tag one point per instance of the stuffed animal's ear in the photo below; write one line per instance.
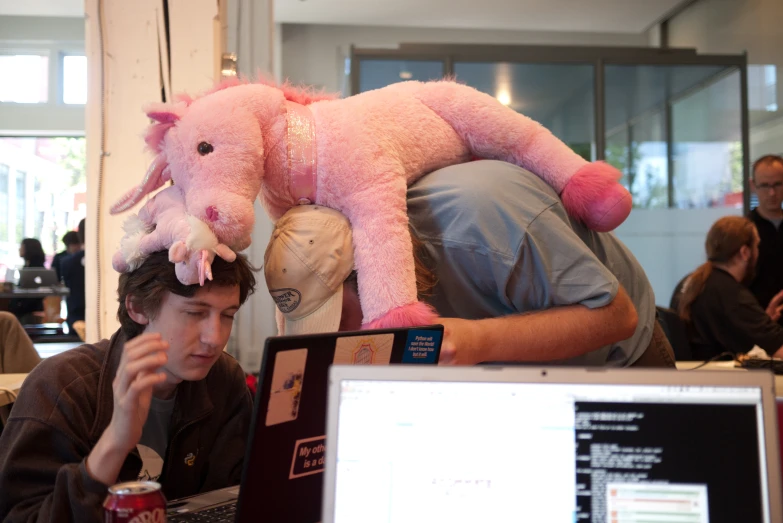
(157, 174)
(165, 116)
(165, 112)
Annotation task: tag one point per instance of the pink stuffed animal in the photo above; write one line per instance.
(163, 223)
(356, 155)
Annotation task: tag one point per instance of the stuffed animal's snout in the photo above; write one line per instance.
(229, 215)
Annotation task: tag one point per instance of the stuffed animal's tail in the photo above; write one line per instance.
(590, 191)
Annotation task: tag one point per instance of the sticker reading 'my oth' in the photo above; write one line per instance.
(309, 457)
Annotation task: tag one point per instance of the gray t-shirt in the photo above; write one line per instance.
(155, 438)
(500, 243)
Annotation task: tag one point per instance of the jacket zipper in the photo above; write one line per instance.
(166, 460)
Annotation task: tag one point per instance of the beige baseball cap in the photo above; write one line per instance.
(306, 262)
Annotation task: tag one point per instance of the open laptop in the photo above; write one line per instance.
(564, 445)
(285, 451)
(35, 277)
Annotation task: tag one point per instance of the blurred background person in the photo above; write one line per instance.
(25, 308)
(720, 312)
(72, 245)
(767, 180)
(72, 268)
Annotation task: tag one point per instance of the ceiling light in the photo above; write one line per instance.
(504, 97)
(406, 75)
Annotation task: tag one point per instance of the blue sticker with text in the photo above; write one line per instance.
(421, 346)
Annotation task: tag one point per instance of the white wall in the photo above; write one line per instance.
(41, 29)
(52, 37)
(730, 27)
(669, 243)
(315, 54)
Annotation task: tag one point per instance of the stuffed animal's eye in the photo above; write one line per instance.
(204, 148)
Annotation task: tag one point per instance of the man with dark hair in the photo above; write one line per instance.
(720, 312)
(159, 401)
(767, 286)
(73, 244)
(72, 268)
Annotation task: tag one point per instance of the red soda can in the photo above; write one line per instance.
(135, 502)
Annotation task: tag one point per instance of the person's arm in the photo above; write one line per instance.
(132, 388)
(65, 269)
(43, 475)
(50, 473)
(775, 307)
(750, 323)
(554, 334)
(56, 265)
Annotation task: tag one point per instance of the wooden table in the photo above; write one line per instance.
(48, 349)
(12, 382)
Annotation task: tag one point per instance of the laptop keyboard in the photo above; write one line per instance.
(223, 513)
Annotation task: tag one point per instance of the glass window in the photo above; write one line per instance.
(703, 103)
(762, 88)
(650, 182)
(75, 79)
(707, 138)
(558, 96)
(43, 193)
(374, 74)
(3, 203)
(638, 150)
(30, 78)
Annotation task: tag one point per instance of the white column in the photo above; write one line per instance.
(253, 38)
(125, 47)
(196, 44)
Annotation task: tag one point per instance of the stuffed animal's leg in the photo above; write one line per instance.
(153, 242)
(205, 267)
(384, 257)
(119, 263)
(590, 191)
(129, 256)
(205, 258)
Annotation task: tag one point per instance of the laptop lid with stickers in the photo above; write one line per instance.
(282, 478)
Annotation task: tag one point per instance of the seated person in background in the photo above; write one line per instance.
(768, 216)
(515, 279)
(674, 303)
(720, 312)
(72, 245)
(32, 252)
(72, 268)
(159, 401)
(25, 308)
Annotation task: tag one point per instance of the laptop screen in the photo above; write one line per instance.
(410, 451)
